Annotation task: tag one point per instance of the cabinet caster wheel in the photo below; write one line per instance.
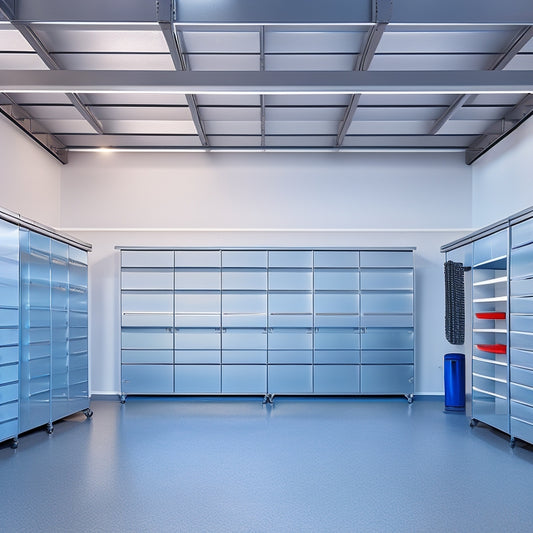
(410, 398)
(512, 442)
(14, 444)
(49, 429)
(473, 423)
(88, 413)
(122, 398)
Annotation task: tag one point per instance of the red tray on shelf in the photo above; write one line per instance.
(492, 348)
(493, 315)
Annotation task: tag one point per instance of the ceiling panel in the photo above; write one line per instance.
(496, 99)
(39, 98)
(213, 41)
(135, 99)
(521, 62)
(431, 62)
(398, 113)
(384, 127)
(310, 62)
(142, 113)
(220, 127)
(223, 62)
(465, 127)
(326, 141)
(21, 61)
(141, 141)
(12, 41)
(67, 126)
(407, 141)
(406, 99)
(480, 113)
(306, 42)
(300, 127)
(52, 112)
(237, 100)
(115, 61)
(230, 113)
(318, 100)
(305, 113)
(149, 126)
(235, 140)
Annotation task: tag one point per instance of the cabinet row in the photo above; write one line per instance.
(273, 379)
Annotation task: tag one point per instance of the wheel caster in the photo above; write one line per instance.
(88, 412)
(410, 398)
(15, 444)
(49, 429)
(123, 398)
(473, 423)
(512, 442)
(269, 398)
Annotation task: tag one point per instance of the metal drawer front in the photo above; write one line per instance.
(78, 362)
(148, 279)
(290, 310)
(197, 310)
(336, 339)
(243, 309)
(9, 336)
(241, 279)
(202, 279)
(494, 245)
(388, 303)
(290, 339)
(144, 379)
(147, 302)
(521, 430)
(522, 233)
(522, 411)
(244, 339)
(197, 379)
(9, 354)
(157, 339)
(387, 321)
(522, 323)
(197, 258)
(290, 379)
(490, 370)
(522, 358)
(80, 345)
(521, 287)
(520, 393)
(244, 356)
(148, 258)
(77, 318)
(336, 379)
(334, 302)
(153, 319)
(336, 258)
(522, 376)
(485, 385)
(197, 339)
(290, 356)
(337, 356)
(9, 292)
(282, 258)
(522, 341)
(386, 259)
(387, 279)
(9, 393)
(521, 304)
(9, 373)
(197, 356)
(336, 280)
(244, 379)
(387, 356)
(387, 339)
(244, 258)
(290, 280)
(8, 430)
(9, 317)
(37, 318)
(387, 379)
(148, 356)
(522, 262)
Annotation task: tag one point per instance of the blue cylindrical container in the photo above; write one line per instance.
(454, 382)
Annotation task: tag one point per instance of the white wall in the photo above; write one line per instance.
(502, 178)
(266, 199)
(29, 178)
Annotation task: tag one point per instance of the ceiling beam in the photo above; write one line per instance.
(274, 11)
(262, 68)
(32, 128)
(267, 82)
(500, 129)
(520, 40)
(180, 64)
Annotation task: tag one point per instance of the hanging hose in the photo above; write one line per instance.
(455, 302)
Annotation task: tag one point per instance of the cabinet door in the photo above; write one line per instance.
(387, 379)
(336, 379)
(147, 258)
(290, 379)
(147, 379)
(244, 379)
(197, 379)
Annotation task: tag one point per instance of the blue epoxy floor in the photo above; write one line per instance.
(235, 465)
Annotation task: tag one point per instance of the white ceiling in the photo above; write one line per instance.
(303, 121)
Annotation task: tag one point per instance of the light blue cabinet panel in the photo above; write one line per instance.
(148, 356)
(521, 412)
(147, 258)
(244, 356)
(244, 339)
(522, 393)
(244, 309)
(522, 233)
(337, 356)
(244, 379)
(522, 376)
(378, 320)
(245, 258)
(523, 358)
(522, 340)
(387, 356)
(386, 303)
(9, 373)
(146, 379)
(387, 339)
(290, 356)
(197, 339)
(337, 339)
(290, 379)
(522, 262)
(521, 429)
(197, 278)
(8, 430)
(197, 356)
(9, 392)
(147, 338)
(242, 279)
(290, 280)
(9, 318)
(336, 379)
(197, 379)
(521, 305)
(9, 354)
(388, 259)
(336, 303)
(336, 258)
(197, 258)
(9, 411)
(522, 323)
(290, 258)
(387, 279)
(290, 309)
(487, 249)
(336, 280)
(9, 292)
(387, 379)
(196, 309)
(153, 279)
(290, 339)
(147, 309)
(9, 336)
(522, 287)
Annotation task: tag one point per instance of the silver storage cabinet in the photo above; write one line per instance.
(9, 332)
(266, 322)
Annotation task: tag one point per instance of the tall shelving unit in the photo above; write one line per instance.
(267, 321)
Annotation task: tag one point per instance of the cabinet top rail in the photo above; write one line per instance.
(15, 218)
(270, 249)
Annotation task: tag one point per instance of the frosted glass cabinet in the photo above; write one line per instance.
(43, 327)
(267, 322)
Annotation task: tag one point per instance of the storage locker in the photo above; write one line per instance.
(336, 379)
(290, 379)
(244, 379)
(197, 379)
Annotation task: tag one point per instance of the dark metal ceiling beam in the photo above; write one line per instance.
(267, 82)
(500, 128)
(262, 67)
(32, 128)
(520, 40)
(180, 63)
(275, 11)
